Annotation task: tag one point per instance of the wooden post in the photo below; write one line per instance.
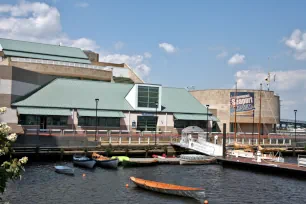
(224, 140)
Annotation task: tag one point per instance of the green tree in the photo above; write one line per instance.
(11, 168)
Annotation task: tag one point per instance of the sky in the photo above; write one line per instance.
(205, 44)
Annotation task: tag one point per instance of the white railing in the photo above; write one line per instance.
(302, 160)
(69, 64)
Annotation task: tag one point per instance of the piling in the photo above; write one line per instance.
(224, 140)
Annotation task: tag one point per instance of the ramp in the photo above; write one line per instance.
(203, 147)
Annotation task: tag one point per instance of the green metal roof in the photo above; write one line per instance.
(45, 57)
(179, 100)
(42, 51)
(73, 93)
(43, 111)
(81, 94)
(183, 116)
(101, 113)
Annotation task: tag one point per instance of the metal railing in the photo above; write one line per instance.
(59, 63)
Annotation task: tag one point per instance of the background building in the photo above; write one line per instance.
(221, 103)
(55, 87)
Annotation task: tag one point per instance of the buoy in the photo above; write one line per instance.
(126, 185)
(206, 202)
(84, 175)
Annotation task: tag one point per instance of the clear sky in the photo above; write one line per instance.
(207, 44)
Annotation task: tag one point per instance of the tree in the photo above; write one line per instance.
(11, 168)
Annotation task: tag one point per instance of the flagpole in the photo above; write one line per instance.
(235, 124)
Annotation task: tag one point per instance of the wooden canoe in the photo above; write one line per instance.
(169, 188)
(139, 162)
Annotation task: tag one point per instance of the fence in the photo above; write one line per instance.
(70, 137)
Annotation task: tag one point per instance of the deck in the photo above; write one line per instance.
(287, 169)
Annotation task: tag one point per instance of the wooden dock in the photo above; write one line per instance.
(287, 169)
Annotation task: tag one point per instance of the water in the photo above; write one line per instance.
(40, 184)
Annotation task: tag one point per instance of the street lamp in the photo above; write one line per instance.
(156, 105)
(97, 101)
(253, 125)
(207, 106)
(294, 132)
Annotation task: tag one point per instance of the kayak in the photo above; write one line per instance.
(169, 188)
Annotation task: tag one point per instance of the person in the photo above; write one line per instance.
(216, 139)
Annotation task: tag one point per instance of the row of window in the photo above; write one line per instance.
(36, 120)
(62, 121)
(104, 122)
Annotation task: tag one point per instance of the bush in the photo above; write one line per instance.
(12, 168)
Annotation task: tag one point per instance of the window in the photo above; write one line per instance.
(185, 123)
(57, 120)
(147, 96)
(28, 120)
(146, 123)
(104, 122)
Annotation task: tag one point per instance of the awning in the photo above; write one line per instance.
(184, 116)
(43, 111)
(100, 113)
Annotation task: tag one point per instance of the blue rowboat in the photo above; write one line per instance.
(83, 161)
(110, 164)
(64, 170)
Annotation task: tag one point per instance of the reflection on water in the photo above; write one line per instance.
(41, 184)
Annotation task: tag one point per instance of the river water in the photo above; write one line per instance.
(40, 184)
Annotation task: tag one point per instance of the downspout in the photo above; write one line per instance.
(166, 121)
(129, 121)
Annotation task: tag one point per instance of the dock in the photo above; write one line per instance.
(287, 169)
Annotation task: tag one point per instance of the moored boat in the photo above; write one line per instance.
(121, 159)
(105, 162)
(139, 162)
(197, 159)
(169, 188)
(83, 161)
(64, 170)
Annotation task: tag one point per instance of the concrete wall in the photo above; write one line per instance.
(14, 84)
(67, 71)
(219, 99)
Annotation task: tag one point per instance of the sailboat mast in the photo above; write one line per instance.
(235, 123)
(259, 121)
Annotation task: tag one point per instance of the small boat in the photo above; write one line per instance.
(197, 159)
(138, 162)
(83, 161)
(169, 188)
(64, 170)
(120, 159)
(105, 162)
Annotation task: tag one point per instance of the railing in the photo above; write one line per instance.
(302, 160)
(69, 64)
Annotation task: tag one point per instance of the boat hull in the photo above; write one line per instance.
(64, 170)
(138, 164)
(109, 164)
(84, 162)
(197, 162)
(173, 190)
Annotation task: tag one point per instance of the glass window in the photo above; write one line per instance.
(146, 123)
(57, 120)
(104, 122)
(186, 123)
(147, 96)
(28, 120)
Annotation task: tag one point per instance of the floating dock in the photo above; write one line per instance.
(288, 169)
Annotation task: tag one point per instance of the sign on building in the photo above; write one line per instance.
(244, 102)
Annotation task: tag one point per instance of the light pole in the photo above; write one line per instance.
(253, 125)
(97, 101)
(156, 105)
(207, 106)
(294, 132)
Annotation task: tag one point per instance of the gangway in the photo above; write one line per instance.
(194, 138)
